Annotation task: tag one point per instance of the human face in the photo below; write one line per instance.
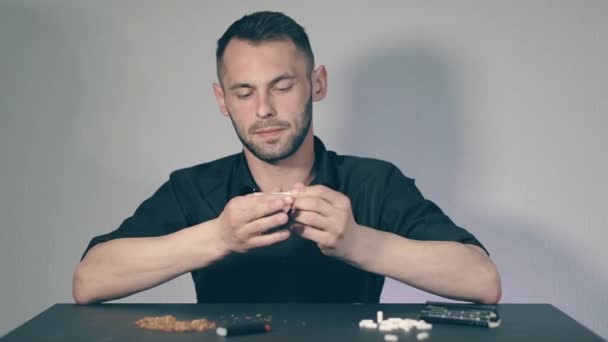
(269, 147)
(267, 93)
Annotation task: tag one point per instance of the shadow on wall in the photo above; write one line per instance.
(406, 109)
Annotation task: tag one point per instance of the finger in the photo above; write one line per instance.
(333, 197)
(314, 204)
(288, 203)
(299, 185)
(312, 219)
(262, 205)
(270, 239)
(289, 200)
(315, 235)
(263, 224)
(275, 192)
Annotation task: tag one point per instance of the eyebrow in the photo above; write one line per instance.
(272, 82)
(240, 85)
(281, 78)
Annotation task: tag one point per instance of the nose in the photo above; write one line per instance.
(265, 108)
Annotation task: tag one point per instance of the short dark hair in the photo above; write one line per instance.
(265, 26)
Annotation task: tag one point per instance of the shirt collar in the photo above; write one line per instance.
(325, 168)
(324, 171)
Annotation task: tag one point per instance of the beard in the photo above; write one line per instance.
(275, 152)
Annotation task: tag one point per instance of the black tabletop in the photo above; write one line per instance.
(290, 322)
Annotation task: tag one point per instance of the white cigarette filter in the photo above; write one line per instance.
(422, 336)
(391, 337)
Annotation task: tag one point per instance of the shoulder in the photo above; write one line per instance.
(208, 172)
(364, 168)
(367, 163)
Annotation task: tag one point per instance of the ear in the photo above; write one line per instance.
(319, 83)
(219, 97)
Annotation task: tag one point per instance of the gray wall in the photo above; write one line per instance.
(497, 109)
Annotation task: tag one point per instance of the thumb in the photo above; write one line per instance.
(298, 188)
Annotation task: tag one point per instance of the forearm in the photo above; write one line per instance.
(122, 267)
(447, 269)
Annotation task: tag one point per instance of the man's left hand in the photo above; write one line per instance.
(324, 216)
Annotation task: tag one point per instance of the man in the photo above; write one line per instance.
(285, 220)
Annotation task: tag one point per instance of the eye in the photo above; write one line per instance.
(243, 96)
(284, 88)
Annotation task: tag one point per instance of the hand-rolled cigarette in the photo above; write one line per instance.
(287, 193)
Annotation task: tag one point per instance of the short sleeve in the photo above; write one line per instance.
(407, 213)
(158, 215)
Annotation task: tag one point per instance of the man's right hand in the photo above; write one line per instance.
(121, 267)
(246, 218)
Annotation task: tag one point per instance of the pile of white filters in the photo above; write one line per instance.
(393, 325)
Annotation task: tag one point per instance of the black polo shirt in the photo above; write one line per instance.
(294, 270)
